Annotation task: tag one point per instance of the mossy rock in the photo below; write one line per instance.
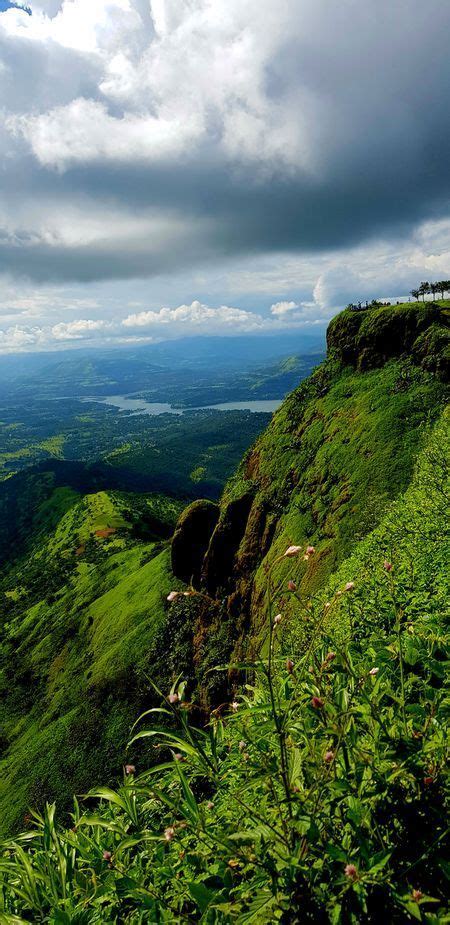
(369, 338)
(191, 539)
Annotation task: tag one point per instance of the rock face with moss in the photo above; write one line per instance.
(191, 539)
(338, 451)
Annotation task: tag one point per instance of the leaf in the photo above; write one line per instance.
(201, 895)
(262, 901)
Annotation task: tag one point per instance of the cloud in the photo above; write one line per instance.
(195, 318)
(282, 308)
(77, 330)
(241, 129)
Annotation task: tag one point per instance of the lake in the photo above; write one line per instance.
(140, 406)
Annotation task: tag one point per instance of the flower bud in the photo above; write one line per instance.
(292, 551)
(317, 703)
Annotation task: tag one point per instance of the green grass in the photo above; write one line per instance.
(80, 637)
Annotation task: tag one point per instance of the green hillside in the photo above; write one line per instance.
(82, 614)
(338, 452)
(304, 782)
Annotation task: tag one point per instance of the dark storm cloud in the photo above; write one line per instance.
(368, 85)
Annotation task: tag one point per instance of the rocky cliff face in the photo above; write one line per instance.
(341, 447)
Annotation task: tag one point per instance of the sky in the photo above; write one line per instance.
(181, 167)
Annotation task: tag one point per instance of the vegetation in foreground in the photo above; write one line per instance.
(317, 794)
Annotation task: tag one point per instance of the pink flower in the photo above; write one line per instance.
(310, 550)
(277, 619)
(235, 705)
(173, 698)
(289, 666)
(328, 756)
(292, 586)
(349, 586)
(107, 855)
(387, 565)
(130, 769)
(169, 833)
(351, 872)
(416, 895)
(179, 757)
(292, 551)
(317, 703)
(173, 596)
(210, 804)
(374, 672)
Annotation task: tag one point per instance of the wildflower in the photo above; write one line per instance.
(292, 551)
(179, 757)
(233, 862)
(351, 872)
(130, 769)
(235, 705)
(210, 804)
(327, 605)
(349, 586)
(428, 780)
(374, 672)
(310, 550)
(317, 703)
(246, 756)
(173, 596)
(169, 833)
(277, 619)
(107, 855)
(289, 666)
(330, 657)
(416, 895)
(328, 757)
(291, 586)
(173, 698)
(387, 565)
(242, 745)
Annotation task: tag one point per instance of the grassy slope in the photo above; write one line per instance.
(377, 806)
(338, 452)
(75, 644)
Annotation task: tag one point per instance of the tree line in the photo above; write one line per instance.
(426, 288)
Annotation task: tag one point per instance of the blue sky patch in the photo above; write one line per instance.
(10, 5)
